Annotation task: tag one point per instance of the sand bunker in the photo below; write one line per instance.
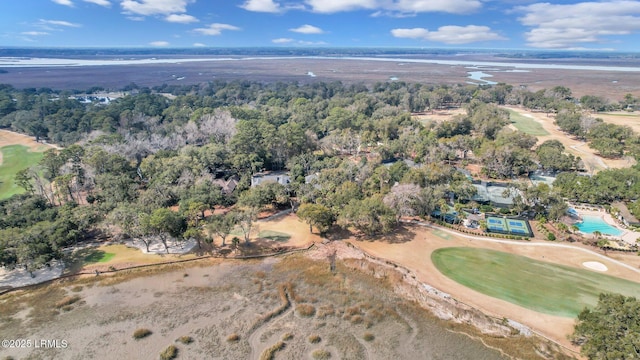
(594, 265)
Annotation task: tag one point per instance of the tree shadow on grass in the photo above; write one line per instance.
(80, 257)
(398, 235)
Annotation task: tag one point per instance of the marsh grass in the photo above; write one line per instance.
(284, 291)
(314, 339)
(321, 354)
(233, 337)
(185, 339)
(66, 301)
(270, 352)
(305, 310)
(171, 352)
(141, 333)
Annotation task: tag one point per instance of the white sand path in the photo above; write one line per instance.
(21, 277)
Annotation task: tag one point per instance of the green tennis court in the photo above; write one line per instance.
(508, 226)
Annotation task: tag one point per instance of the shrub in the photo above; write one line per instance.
(305, 310)
(233, 337)
(169, 353)
(314, 339)
(67, 301)
(368, 336)
(185, 339)
(270, 352)
(551, 237)
(287, 336)
(141, 333)
(321, 354)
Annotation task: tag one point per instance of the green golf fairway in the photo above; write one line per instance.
(14, 159)
(526, 125)
(541, 286)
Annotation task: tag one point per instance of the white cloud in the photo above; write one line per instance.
(181, 18)
(448, 6)
(48, 23)
(104, 3)
(307, 29)
(450, 34)
(199, 45)
(155, 7)
(159, 43)
(34, 33)
(395, 7)
(63, 2)
(268, 6)
(333, 6)
(282, 41)
(569, 26)
(317, 43)
(216, 29)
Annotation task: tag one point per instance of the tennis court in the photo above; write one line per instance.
(497, 224)
(508, 226)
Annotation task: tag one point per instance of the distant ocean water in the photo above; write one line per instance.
(25, 62)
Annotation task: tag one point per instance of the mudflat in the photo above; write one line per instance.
(610, 84)
(292, 305)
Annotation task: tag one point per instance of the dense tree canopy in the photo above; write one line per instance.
(354, 153)
(611, 330)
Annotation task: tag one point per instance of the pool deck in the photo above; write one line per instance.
(627, 236)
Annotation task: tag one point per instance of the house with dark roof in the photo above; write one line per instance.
(228, 186)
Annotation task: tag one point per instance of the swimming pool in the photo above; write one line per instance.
(591, 223)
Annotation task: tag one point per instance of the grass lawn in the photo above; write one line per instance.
(115, 254)
(14, 159)
(544, 287)
(274, 235)
(526, 125)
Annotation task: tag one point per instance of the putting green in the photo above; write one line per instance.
(14, 159)
(99, 256)
(541, 286)
(274, 235)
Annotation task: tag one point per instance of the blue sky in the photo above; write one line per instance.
(515, 24)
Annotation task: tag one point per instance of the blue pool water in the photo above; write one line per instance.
(592, 223)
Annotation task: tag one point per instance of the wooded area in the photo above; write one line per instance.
(354, 156)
